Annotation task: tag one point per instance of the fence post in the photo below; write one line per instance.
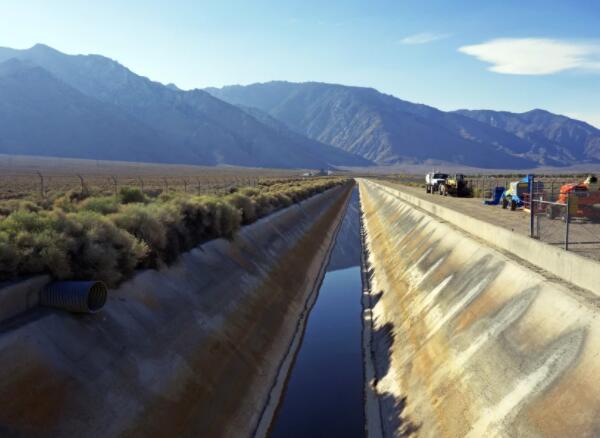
(114, 180)
(537, 223)
(567, 220)
(41, 184)
(531, 206)
(83, 190)
(141, 180)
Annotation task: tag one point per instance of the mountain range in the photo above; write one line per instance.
(54, 104)
(388, 130)
(89, 106)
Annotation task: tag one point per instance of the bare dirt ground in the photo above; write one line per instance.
(584, 237)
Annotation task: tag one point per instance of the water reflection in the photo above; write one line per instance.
(346, 252)
(324, 394)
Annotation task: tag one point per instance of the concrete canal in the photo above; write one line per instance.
(264, 334)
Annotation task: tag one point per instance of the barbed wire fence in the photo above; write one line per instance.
(46, 185)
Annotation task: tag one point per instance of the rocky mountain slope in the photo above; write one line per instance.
(182, 126)
(550, 137)
(388, 130)
(90, 106)
(41, 115)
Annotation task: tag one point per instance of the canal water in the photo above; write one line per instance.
(324, 392)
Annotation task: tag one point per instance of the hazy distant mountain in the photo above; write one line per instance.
(549, 136)
(41, 115)
(388, 130)
(185, 126)
(326, 152)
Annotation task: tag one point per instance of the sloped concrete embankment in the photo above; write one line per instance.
(191, 350)
(466, 340)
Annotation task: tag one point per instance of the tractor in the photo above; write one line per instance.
(517, 191)
(454, 186)
(583, 200)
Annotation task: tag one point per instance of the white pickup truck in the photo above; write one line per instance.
(433, 181)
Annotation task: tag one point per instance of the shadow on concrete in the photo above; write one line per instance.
(395, 423)
(374, 298)
(383, 338)
(393, 418)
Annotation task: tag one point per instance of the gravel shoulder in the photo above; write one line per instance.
(584, 236)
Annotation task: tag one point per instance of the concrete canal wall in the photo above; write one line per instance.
(464, 339)
(191, 350)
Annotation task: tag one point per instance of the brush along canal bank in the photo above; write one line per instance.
(261, 335)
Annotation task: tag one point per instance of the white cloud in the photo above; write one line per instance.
(536, 56)
(423, 38)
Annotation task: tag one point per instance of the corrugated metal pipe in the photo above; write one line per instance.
(75, 296)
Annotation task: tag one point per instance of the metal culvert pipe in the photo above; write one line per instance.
(75, 296)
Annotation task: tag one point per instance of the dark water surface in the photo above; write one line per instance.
(324, 394)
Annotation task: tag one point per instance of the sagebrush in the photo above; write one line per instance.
(107, 237)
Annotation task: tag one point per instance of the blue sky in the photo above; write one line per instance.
(505, 55)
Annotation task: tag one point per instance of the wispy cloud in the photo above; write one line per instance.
(423, 38)
(536, 56)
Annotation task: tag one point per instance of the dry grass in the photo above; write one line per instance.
(38, 177)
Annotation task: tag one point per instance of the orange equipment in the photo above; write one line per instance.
(583, 197)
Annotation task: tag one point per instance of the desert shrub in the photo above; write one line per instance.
(78, 195)
(281, 200)
(8, 255)
(263, 204)
(169, 216)
(31, 237)
(195, 217)
(107, 237)
(12, 205)
(35, 244)
(100, 204)
(249, 191)
(99, 249)
(245, 204)
(164, 196)
(64, 203)
(129, 195)
(142, 222)
(222, 219)
(153, 193)
(76, 245)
